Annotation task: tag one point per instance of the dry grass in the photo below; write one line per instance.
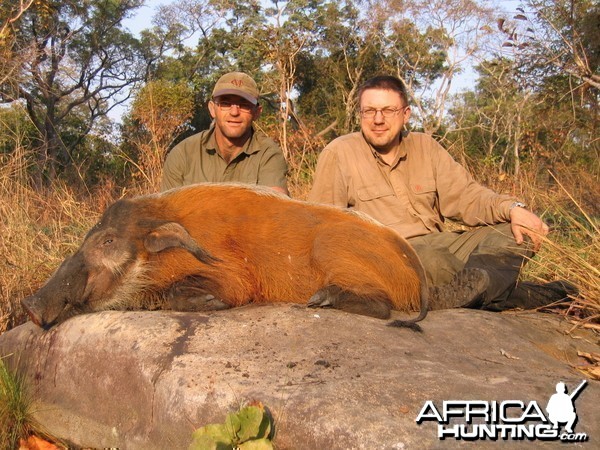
(40, 228)
(567, 197)
(571, 252)
(38, 231)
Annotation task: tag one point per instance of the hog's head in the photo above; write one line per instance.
(110, 266)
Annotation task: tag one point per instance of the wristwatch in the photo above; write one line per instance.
(519, 204)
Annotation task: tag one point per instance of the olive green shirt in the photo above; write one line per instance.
(196, 160)
(414, 194)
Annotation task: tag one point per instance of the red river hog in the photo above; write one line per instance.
(215, 246)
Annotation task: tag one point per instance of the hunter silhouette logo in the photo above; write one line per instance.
(560, 406)
(472, 420)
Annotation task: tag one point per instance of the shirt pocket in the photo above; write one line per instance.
(425, 204)
(425, 194)
(381, 203)
(373, 192)
(422, 186)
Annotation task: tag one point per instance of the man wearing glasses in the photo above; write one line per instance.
(230, 150)
(409, 182)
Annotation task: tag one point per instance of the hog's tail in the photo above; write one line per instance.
(424, 306)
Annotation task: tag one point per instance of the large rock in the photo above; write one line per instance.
(146, 380)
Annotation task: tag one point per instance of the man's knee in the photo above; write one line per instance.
(440, 265)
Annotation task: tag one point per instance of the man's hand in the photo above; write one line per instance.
(525, 222)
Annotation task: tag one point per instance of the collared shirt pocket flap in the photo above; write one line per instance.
(423, 187)
(373, 192)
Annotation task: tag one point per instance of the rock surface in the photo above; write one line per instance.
(146, 380)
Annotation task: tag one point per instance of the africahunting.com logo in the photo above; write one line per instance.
(472, 420)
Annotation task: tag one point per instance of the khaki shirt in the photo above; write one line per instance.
(196, 160)
(423, 186)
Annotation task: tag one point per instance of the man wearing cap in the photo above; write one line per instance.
(230, 150)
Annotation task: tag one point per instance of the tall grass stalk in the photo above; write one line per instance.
(571, 252)
(16, 420)
(38, 230)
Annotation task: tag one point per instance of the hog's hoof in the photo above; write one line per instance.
(366, 305)
(325, 297)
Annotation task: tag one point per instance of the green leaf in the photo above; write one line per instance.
(248, 428)
(258, 444)
(254, 423)
(203, 442)
(233, 426)
(212, 437)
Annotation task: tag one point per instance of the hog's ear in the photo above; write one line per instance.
(173, 235)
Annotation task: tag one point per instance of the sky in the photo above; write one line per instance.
(135, 24)
(144, 15)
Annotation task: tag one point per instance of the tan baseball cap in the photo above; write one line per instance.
(237, 83)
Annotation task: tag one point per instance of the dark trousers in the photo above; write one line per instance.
(492, 248)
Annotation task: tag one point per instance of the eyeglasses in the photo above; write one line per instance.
(370, 113)
(226, 105)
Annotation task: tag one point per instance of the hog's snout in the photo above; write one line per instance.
(41, 312)
(33, 308)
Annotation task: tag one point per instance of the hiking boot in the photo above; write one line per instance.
(528, 295)
(466, 290)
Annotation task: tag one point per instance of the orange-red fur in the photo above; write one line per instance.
(274, 249)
